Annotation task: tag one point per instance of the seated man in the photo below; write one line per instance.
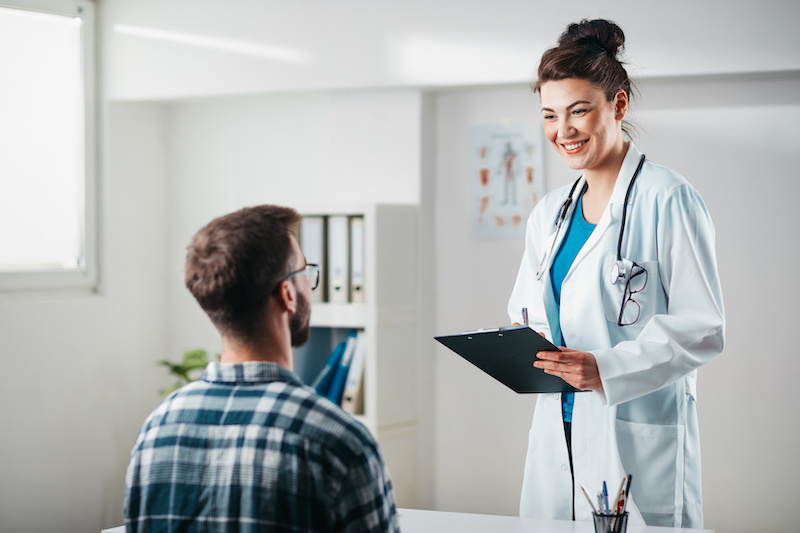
(249, 447)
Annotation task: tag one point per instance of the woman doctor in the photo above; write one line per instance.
(620, 269)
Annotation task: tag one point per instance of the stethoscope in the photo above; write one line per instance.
(618, 270)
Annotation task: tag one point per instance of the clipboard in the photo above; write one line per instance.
(507, 354)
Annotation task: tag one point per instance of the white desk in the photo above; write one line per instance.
(416, 521)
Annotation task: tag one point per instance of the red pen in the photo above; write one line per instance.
(627, 492)
(620, 503)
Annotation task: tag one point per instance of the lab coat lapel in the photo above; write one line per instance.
(554, 243)
(613, 211)
(554, 240)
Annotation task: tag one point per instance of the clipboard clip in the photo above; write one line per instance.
(475, 332)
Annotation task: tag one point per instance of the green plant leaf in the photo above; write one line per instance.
(193, 360)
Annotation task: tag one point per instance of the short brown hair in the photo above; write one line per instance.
(588, 50)
(234, 262)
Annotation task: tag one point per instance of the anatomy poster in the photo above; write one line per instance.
(506, 178)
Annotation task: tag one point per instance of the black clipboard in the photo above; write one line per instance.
(507, 354)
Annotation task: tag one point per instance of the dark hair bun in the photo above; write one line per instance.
(588, 50)
(594, 35)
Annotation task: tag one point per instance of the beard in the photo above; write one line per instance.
(299, 323)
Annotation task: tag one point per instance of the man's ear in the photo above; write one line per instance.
(287, 294)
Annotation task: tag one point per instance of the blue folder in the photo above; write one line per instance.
(324, 380)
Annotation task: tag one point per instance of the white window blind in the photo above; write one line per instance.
(47, 215)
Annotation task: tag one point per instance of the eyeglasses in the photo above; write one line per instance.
(634, 284)
(311, 271)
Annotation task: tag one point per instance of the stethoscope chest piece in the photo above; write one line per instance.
(618, 272)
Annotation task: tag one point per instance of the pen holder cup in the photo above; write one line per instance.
(610, 523)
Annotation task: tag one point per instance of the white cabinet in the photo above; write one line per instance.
(389, 318)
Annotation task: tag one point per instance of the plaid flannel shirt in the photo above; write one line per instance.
(250, 448)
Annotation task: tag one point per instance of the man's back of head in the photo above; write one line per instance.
(249, 447)
(234, 262)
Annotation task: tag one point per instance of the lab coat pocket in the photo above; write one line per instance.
(653, 455)
(641, 294)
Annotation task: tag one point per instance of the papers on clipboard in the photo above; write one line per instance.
(507, 354)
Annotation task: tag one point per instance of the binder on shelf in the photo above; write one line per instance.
(342, 369)
(322, 383)
(338, 259)
(353, 396)
(312, 242)
(357, 259)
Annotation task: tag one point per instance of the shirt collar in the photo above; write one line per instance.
(249, 372)
(626, 171)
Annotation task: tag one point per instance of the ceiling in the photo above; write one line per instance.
(157, 49)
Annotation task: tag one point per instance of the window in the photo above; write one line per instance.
(47, 159)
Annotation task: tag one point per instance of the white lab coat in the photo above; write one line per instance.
(644, 422)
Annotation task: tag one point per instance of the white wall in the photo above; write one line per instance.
(732, 138)
(311, 149)
(480, 427)
(78, 374)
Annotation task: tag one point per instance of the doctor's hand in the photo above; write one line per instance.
(577, 368)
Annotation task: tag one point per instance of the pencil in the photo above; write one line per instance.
(589, 499)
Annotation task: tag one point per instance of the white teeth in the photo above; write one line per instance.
(574, 146)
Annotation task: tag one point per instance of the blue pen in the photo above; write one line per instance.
(605, 497)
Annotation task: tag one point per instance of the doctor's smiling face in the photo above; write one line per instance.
(583, 126)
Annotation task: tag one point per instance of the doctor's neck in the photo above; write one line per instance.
(600, 179)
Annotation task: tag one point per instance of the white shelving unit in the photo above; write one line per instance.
(389, 318)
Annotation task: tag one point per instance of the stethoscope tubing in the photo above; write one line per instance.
(625, 207)
(562, 215)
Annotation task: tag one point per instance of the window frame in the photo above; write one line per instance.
(86, 275)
